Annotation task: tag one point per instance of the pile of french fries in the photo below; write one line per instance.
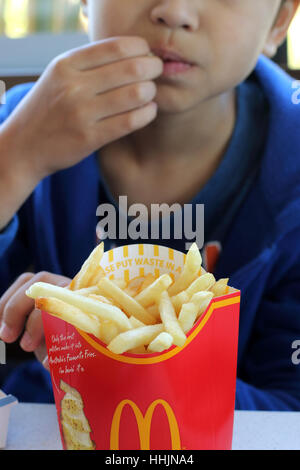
(148, 314)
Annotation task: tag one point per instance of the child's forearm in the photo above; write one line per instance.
(17, 177)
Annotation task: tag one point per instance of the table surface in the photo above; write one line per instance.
(34, 426)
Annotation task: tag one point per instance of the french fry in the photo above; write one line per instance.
(95, 278)
(162, 342)
(187, 316)
(152, 293)
(134, 338)
(202, 301)
(135, 323)
(70, 314)
(128, 304)
(145, 315)
(108, 331)
(79, 423)
(120, 283)
(101, 298)
(87, 291)
(179, 299)
(71, 390)
(149, 279)
(153, 310)
(169, 319)
(201, 283)
(192, 310)
(190, 271)
(204, 282)
(134, 286)
(220, 287)
(107, 300)
(87, 305)
(76, 440)
(90, 269)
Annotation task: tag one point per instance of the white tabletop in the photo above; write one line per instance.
(34, 426)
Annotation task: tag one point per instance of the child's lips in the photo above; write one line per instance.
(166, 54)
(174, 63)
(174, 67)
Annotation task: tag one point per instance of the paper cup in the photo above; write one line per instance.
(182, 398)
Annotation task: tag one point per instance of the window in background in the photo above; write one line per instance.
(294, 44)
(19, 18)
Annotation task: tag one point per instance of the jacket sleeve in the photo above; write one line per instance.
(8, 234)
(271, 377)
(14, 253)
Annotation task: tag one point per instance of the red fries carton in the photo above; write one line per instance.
(182, 398)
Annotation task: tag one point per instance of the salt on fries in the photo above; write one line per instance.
(145, 315)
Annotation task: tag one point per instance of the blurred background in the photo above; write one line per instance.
(33, 32)
(19, 18)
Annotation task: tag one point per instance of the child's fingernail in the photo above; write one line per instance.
(26, 341)
(6, 332)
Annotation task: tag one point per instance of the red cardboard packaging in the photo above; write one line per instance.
(182, 398)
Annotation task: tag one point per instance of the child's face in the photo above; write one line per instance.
(223, 37)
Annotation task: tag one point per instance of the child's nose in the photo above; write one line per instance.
(174, 16)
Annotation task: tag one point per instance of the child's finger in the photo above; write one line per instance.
(19, 306)
(21, 280)
(95, 55)
(41, 354)
(15, 312)
(122, 100)
(115, 127)
(34, 332)
(120, 74)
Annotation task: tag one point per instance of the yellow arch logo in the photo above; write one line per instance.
(144, 424)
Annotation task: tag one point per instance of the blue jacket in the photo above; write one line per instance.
(55, 230)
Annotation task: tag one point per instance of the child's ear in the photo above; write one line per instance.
(280, 28)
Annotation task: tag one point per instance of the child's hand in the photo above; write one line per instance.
(85, 99)
(17, 311)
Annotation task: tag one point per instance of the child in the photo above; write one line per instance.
(109, 119)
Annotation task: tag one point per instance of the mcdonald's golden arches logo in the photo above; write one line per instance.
(144, 424)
